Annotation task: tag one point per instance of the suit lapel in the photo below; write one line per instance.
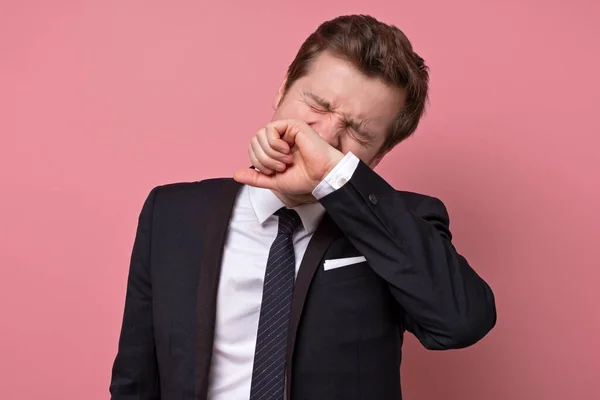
(318, 245)
(210, 271)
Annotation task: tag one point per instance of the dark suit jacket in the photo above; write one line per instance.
(347, 324)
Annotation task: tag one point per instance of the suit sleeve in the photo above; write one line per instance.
(441, 299)
(135, 369)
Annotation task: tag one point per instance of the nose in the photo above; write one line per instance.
(328, 128)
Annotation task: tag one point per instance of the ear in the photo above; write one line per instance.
(280, 94)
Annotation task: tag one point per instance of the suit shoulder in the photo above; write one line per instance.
(179, 193)
(186, 188)
(429, 208)
(415, 200)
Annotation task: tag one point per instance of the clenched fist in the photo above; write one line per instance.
(291, 157)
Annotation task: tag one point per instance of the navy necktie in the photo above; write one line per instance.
(268, 374)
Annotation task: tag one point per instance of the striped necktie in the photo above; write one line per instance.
(268, 374)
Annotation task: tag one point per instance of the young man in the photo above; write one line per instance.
(298, 278)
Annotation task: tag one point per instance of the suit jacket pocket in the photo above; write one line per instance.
(342, 274)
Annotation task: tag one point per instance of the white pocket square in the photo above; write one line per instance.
(342, 262)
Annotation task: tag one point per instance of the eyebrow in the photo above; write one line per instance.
(352, 123)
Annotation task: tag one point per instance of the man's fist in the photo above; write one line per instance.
(291, 157)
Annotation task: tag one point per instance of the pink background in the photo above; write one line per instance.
(102, 100)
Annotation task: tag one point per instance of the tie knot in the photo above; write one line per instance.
(289, 220)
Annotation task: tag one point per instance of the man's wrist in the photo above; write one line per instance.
(337, 177)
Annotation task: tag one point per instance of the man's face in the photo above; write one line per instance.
(349, 110)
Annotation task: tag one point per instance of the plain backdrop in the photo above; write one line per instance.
(102, 100)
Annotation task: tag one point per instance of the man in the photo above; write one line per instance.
(298, 278)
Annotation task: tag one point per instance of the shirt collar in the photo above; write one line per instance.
(265, 203)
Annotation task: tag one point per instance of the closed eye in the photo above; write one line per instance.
(316, 103)
(318, 108)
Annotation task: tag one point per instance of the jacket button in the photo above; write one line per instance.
(373, 199)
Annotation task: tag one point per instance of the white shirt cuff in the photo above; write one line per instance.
(337, 177)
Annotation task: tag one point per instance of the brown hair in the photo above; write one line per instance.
(377, 50)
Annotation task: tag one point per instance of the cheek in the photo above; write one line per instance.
(348, 144)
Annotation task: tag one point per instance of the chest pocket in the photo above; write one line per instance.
(350, 264)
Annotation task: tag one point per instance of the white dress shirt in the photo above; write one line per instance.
(252, 230)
